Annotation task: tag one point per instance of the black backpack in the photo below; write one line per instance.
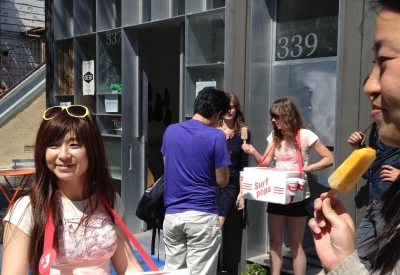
(151, 209)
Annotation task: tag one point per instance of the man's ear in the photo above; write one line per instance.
(217, 115)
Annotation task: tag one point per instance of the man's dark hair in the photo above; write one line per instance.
(389, 4)
(210, 101)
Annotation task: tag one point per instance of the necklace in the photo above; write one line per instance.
(229, 133)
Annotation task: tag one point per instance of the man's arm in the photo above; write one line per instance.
(222, 176)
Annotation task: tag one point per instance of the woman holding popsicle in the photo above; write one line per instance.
(67, 205)
(287, 122)
(236, 133)
(332, 226)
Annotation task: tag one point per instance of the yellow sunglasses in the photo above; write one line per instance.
(78, 111)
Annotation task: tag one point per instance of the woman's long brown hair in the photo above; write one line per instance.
(292, 120)
(43, 193)
(239, 118)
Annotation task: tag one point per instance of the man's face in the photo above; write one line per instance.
(383, 85)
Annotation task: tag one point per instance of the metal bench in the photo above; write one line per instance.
(23, 163)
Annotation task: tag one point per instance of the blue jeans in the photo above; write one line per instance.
(370, 227)
(192, 240)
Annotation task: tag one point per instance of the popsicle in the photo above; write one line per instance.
(349, 172)
(243, 134)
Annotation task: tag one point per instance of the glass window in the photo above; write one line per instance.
(109, 60)
(215, 4)
(146, 11)
(203, 76)
(177, 7)
(65, 55)
(206, 39)
(306, 29)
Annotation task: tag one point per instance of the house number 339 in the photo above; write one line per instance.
(296, 47)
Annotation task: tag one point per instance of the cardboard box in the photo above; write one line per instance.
(270, 185)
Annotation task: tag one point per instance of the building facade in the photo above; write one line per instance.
(145, 60)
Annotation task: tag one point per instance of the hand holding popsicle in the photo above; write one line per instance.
(333, 230)
(348, 173)
(243, 134)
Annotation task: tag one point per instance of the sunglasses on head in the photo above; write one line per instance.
(274, 116)
(78, 111)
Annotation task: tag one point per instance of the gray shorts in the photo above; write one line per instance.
(192, 240)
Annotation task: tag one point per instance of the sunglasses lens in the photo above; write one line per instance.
(52, 112)
(78, 111)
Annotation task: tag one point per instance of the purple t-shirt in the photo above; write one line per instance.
(192, 152)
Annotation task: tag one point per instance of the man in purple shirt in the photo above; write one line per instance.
(195, 156)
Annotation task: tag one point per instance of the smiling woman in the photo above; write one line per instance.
(71, 182)
(332, 226)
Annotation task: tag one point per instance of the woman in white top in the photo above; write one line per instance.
(70, 183)
(287, 121)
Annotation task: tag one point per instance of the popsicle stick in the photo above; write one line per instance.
(331, 193)
(361, 144)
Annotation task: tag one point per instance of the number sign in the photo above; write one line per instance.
(306, 29)
(113, 38)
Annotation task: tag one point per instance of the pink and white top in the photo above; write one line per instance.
(86, 249)
(286, 155)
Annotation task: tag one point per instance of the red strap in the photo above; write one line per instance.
(142, 252)
(299, 156)
(262, 161)
(48, 243)
(49, 232)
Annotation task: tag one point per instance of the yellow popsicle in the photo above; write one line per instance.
(243, 134)
(350, 171)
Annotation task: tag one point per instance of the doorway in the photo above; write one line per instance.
(162, 67)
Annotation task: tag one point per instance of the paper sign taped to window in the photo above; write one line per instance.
(202, 84)
(88, 77)
(111, 103)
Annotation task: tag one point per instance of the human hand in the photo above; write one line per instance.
(240, 200)
(248, 148)
(333, 231)
(389, 173)
(356, 139)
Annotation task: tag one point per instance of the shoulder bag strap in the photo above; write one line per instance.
(299, 156)
(266, 155)
(142, 252)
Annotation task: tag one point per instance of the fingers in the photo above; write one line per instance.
(312, 223)
(247, 148)
(356, 138)
(318, 221)
(389, 173)
(387, 167)
(336, 214)
(240, 203)
(329, 210)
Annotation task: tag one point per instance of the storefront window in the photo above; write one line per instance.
(205, 54)
(65, 53)
(306, 29)
(206, 39)
(109, 61)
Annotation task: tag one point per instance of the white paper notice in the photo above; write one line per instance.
(202, 84)
(111, 103)
(88, 77)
